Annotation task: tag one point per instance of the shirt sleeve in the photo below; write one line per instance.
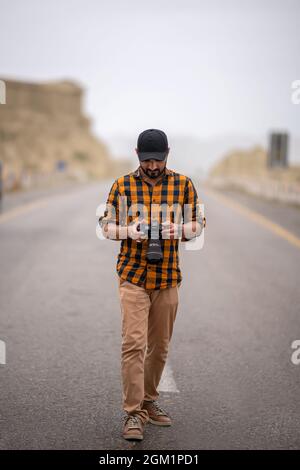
(111, 213)
(192, 209)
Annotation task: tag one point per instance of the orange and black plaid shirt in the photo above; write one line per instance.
(173, 189)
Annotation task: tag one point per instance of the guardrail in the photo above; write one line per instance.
(283, 191)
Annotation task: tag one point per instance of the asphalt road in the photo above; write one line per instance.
(230, 356)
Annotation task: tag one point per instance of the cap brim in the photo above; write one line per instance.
(149, 155)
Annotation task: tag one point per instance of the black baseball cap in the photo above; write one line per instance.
(152, 143)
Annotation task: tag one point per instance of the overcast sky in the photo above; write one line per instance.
(208, 68)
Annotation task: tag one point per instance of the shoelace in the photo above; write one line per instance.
(133, 421)
(158, 410)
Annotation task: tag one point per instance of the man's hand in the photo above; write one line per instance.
(134, 233)
(171, 230)
(188, 230)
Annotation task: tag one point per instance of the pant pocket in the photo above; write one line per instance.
(122, 281)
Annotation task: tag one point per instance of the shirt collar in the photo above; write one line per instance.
(137, 173)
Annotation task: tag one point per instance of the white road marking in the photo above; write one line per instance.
(259, 219)
(167, 381)
(2, 352)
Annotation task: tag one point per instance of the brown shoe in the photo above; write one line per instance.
(157, 415)
(133, 428)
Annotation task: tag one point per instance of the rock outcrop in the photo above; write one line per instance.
(44, 132)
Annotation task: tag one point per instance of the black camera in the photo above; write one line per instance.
(152, 231)
(154, 235)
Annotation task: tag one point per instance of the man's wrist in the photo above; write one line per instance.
(115, 232)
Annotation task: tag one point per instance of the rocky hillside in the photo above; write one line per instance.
(44, 134)
(248, 170)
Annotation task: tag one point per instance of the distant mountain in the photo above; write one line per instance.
(195, 156)
(44, 134)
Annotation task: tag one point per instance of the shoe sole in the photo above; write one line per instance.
(133, 437)
(159, 423)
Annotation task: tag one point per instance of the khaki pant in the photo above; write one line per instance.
(148, 318)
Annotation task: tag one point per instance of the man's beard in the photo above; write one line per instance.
(153, 174)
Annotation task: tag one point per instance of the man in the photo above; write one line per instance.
(148, 270)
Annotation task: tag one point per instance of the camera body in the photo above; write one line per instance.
(154, 235)
(153, 231)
